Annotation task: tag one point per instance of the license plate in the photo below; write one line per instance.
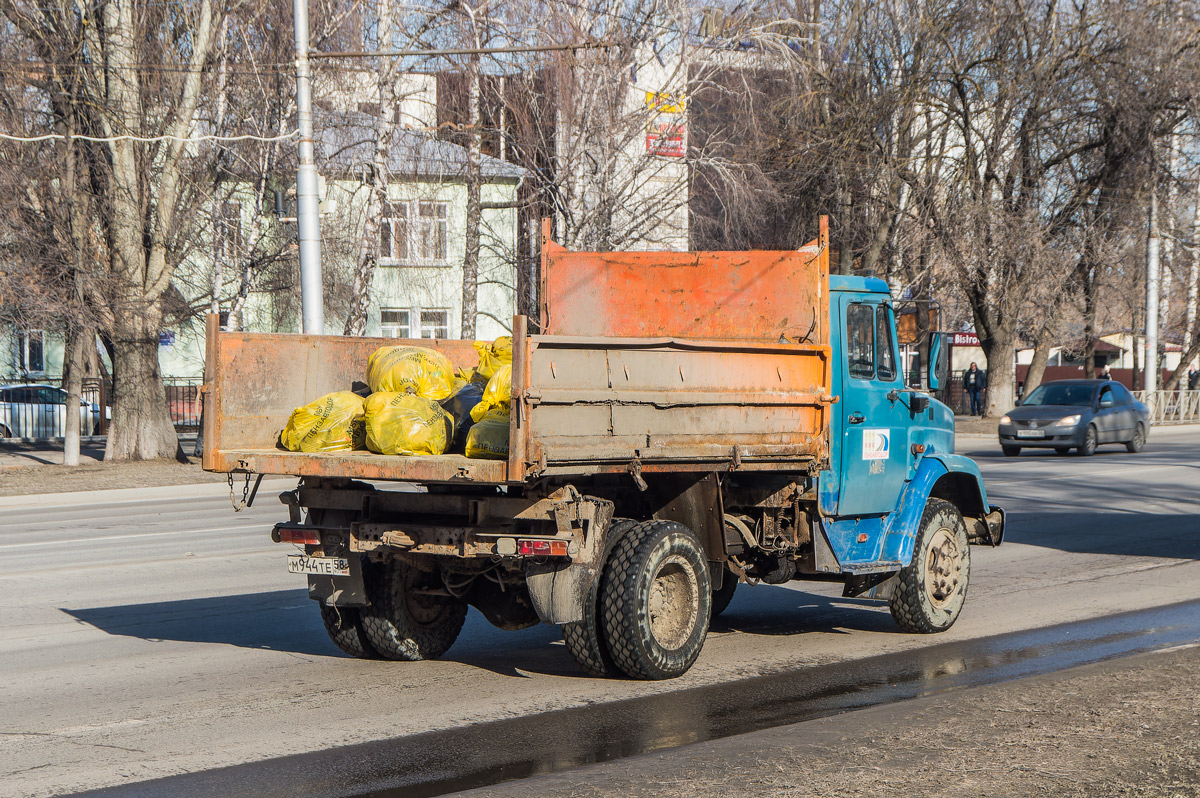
(321, 566)
(1031, 433)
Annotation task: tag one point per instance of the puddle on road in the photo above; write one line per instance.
(437, 763)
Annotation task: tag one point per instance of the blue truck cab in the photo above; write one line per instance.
(895, 499)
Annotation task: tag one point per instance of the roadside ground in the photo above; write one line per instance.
(28, 469)
(1126, 727)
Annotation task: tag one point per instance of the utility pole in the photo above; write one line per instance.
(307, 212)
(1150, 381)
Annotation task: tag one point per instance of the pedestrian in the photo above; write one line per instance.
(1193, 378)
(1103, 373)
(975, 383)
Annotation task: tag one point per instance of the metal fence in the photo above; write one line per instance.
(36, 408)
(1171, 407)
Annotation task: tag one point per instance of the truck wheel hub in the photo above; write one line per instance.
(943, 567)
(674, 603)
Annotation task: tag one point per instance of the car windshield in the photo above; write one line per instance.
(1052, 394)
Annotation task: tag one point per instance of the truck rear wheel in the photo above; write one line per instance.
(585, 639)
(656, 601)
(407, 619)
(344, 626)
(933, 586)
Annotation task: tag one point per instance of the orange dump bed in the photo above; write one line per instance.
(651, 361)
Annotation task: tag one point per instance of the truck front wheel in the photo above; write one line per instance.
(933, 587)
(656, 601)
(408, 619)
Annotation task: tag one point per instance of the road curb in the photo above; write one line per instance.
(117, 495)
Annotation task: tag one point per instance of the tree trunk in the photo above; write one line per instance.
(470, 289)
(73, 368)
(141, 428)
(1037, 366)
(369, 249)
(1000, 349)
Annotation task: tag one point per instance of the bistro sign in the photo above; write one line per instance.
(964, 339)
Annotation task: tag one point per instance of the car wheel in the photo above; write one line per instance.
(1010, 451)
(1139, 440)
(1089, 443)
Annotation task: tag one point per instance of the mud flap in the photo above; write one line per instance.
(559, 591)
(340, 591)
(989, 530)
(876, 587)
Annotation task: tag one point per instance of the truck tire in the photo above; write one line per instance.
(405, 625)
(585, 639)
(933, 587)
(344, 626)
(656, 600)
(724, 594)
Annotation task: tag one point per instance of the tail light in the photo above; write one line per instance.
(303, 535)
(542, 548)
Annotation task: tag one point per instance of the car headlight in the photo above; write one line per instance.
(1005, 420)
(1069, 421)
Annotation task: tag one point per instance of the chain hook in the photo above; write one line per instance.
(239, 506)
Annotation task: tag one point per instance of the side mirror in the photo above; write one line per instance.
(1106, 402)
(919, 403)
(937, 364)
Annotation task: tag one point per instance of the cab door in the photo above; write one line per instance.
(874, 445)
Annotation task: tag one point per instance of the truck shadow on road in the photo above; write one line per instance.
(280, 620)
(287, 621)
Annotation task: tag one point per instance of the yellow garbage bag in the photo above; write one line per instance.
(410, 369)
(492, 356)
(498, 393)
(404, 423)
(488, 438)
(332, 423)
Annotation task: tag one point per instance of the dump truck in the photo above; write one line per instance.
(681, 424)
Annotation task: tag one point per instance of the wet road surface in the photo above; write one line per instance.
(485, 754)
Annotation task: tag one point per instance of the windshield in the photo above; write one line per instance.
(1060, 395)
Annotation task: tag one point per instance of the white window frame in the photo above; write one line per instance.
(433, 326)
(392, 329)
(417, 235)
(419, 326)
(22, 351)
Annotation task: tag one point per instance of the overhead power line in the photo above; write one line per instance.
(148, 139)
(531, 48)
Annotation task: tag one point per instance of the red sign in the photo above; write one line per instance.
(964, 339)
(671, 145)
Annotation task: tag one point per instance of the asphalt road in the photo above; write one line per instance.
(146, 639)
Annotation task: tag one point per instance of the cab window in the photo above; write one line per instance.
(885, 364)
(860, 337)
